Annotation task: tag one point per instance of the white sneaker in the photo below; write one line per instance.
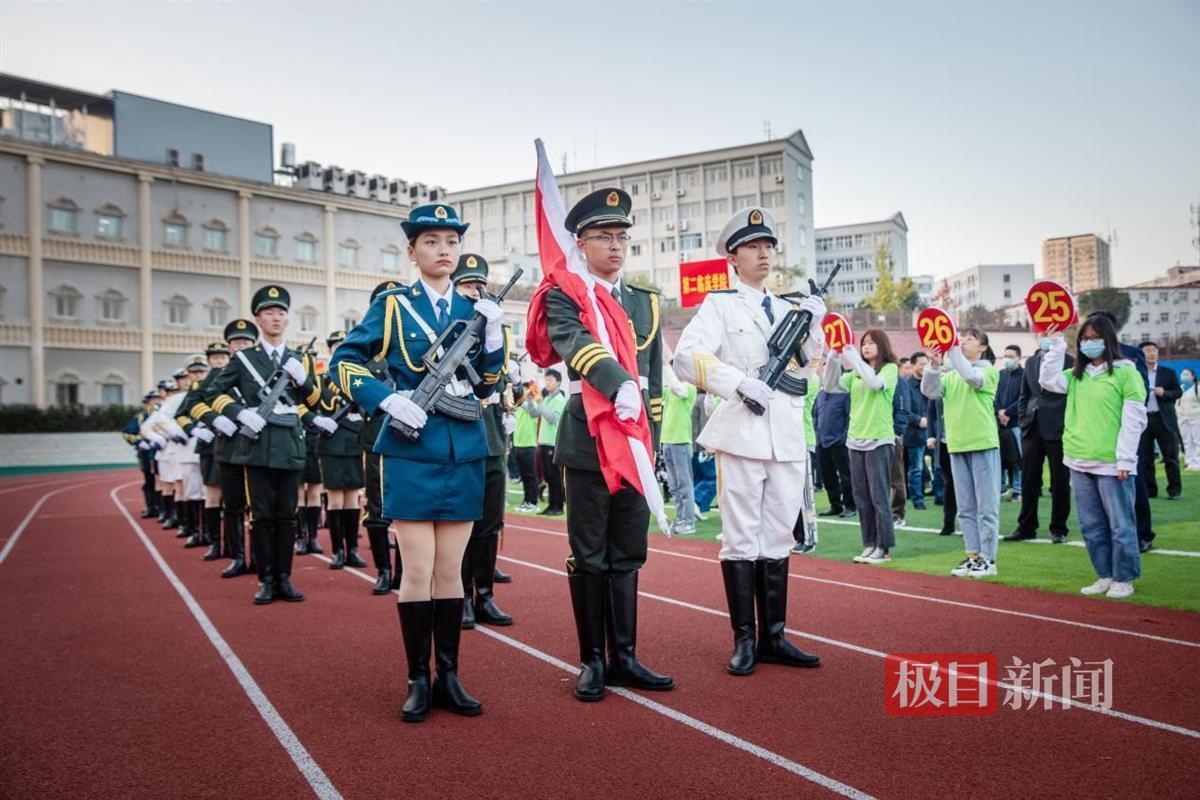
(963, 567)
(861, 558)
(1119, 590)
(1099, 587)
(683, 530)
(899, 522)
(981, 568)
(878, 556)
(699, 514)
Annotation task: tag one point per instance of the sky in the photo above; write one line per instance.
(990, 126)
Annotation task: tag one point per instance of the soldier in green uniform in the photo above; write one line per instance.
(375, 523)
(607, 532)
(194, 407)
(270, 445)
(479, 561)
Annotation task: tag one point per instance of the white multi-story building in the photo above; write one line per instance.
(680, 204)
(1162, 314)
(925, 286)
(856, 247)
(991, 285)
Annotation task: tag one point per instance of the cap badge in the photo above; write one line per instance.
(241, 324)
(272, 292)
(471, 262)
(613, 200)
(440, 212)
(756, 217)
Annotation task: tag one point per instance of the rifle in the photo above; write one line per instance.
(337, 416)
(785, 344)
(271, 391)
(456, 343)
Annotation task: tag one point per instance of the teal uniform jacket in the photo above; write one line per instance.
(132, 432)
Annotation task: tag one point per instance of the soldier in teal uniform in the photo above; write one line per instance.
(433, 487)
(275, 458)
(145, 452)
(607, 532)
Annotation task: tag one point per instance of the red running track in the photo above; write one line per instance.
(112, 688)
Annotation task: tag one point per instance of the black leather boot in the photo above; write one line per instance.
(399, 570)
(194, 527)
(212, 533)
(284, 589)
(770, 579)
(262, 544)
(416, 627)
(623, 668)
(235, 540)
(301, 531)
(283, 536)
(502, 577)
(483, 563)
(350, 537)
(312, 517)
(334, 519)
(588, 591)
(448, 691)
(265, 593)
(148, 496)
(170, 521)
(377, 538)
(162, 508)
(739, 593)
(468, 617)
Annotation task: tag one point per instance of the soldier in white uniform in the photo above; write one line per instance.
(762, 461)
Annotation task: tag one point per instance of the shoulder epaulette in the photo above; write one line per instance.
(639, 287)
(722, 291)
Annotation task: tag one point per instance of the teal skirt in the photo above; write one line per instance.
(424, 491)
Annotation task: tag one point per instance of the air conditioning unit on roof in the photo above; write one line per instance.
(680, 192)
(779, 179)
(356, 184)
(683, 225)
(656, 196)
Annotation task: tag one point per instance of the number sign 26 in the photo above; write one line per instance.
(936, 329)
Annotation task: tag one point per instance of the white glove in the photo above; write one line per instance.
(514, 371)
(224, 426)
(628, 401)
(325, 424)
(405, 410)
(203, 434)
(174, 431)
(157, 440)
(493, 334)
(354, 417)
(143, 445)
(509, 423)
(816, 305)
(756, 390)
(294, 368)
(250, 418)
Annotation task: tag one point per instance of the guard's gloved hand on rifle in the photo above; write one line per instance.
(493, 334)
(628, 401)
(251, 419)
(405, 410)
(325, 424)
(203, 434)
(296, 370)
(143, 445)
(756, 390)
(157, 440)
(224, 426)
(816, 306)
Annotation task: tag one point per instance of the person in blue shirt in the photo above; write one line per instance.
(432, 487)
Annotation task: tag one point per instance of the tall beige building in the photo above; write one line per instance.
(1080, 263)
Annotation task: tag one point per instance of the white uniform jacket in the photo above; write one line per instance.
(163, 422)
(723, 344)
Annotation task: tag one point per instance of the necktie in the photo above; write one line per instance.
(443, 315)
(275, 358)
(616, 295)
(766, 304)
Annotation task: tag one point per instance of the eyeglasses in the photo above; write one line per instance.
(608, 238)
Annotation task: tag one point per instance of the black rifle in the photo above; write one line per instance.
(339, 418)
(456, 344)
(270, 393)
(785, 344)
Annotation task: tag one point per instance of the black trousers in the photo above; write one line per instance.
(949, 501)
(835, 472)
(899, 480)
(526, 457)
(146, 463)
(607, 533)
(1034, 452)
(273, 494)
(495, 484)
(373, 484)
(1167, 438)
(553, 475)
(233, 487)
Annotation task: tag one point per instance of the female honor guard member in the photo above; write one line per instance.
(194, 407)
(432, 487)
(762, 460)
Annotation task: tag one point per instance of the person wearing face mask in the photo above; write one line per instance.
(1040, 416)
(1104, 420)
(1008, 392)
(1188, 410)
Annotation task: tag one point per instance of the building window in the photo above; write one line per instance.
(666, 245)
(1007, 278)
(744, 170)
(64, 215)
(801, 205)
(108, 222)
(690, 241)
(391, 259)
(800, 172)
(112, 306)
(633, 187)
(266, 243)
(216, 236)
(488, 207)
(112, 391)
(714, 207)
(716, 174)
(306, 248)
(664, 214)
(772, 199)
(308, 319)
(66, 302)
(1164, 316)
(689, 210)
(635, 249)
(803, 237)
(349, 321)
(348, 254)
(742, 201)
(175, 230)
(66, 390)
(218, 313)
(772, 166)
(177, 310)
(1144, 316)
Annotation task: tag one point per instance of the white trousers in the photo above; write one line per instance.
(760, 501)
(1189, 431)
(193, 482)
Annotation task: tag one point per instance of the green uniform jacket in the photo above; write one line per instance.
(587, 360)
(344, 442)
(277, 446)
(194, 406)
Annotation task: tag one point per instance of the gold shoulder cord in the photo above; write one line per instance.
(394, 309)
(654, 318)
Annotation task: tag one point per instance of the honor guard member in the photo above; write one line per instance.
(145, 452)
(762, 460)
(432, 487)
(607, 533)
(239, 334)
(273, 453)
(308, 516)
(479, 562)
(162, 429)
(375, 523)
(195, 408)
(341, 464)
(193, 477)
(162, 389)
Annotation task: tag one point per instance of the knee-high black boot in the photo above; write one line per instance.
(212, 533)
(377, 538)
(770, 578)
(350, 537)
(312, 516)
(171, 521)
(262, 544)
(148, 496)
(739, 593)
(399, 570)
(301, 531)
(195, 512)
(416, 627)
(235, 540)
(623, 668)
(588, 591)
(482, 554)
(284, 535)
(448, 691)
(334, 520)
(468, 584)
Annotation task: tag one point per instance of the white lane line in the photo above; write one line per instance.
(1154, 551)
(1064, 701)
(20, 529)
(910, 596)
(41, 484)
(770, 756)
(308, 767)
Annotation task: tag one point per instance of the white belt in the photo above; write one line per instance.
(576, 387)
(283, 408)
